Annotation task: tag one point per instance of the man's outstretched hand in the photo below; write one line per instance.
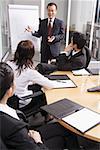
(28, 29)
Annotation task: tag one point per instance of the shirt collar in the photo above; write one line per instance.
(51, 19)
(75, 52)
(8, 110)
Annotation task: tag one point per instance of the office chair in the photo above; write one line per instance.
(88, 55)
(28, 110)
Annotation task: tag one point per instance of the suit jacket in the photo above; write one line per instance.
(72, 62)
(14, 134)
(64, 63)
(58, 31)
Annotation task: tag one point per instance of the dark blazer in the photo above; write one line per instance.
(65, 63)
(73, 62)
(14, 134)
(58, 31)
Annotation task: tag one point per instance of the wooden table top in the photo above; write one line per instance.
(79, 95)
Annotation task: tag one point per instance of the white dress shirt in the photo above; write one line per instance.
(29, 76)
(74, 52)
(52, 21)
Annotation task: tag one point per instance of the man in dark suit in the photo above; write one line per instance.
(73, 58)
(52, 31)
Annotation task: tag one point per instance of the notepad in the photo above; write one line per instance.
(64, 84)
(83, 120)
(80, 72)
(87, 71)
(62, 81)
(62, 108)
(93, 71)
(58, 77)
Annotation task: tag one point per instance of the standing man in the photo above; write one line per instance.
(52, 31)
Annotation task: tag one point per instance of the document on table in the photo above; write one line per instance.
(83, 120)
(64, 84)
(80, 72)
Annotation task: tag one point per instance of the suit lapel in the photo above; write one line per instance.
(54, 26)
(72, 56)
(46, 26)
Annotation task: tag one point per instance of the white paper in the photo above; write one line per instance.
(83, 119)
(64, 83)
(80, 72)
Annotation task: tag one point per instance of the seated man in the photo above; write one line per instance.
(14, 132)
(73, 57)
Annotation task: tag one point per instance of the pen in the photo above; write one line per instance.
(61, 81)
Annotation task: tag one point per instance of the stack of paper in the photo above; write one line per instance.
(64, 83)
(83, 119)
(80, 72)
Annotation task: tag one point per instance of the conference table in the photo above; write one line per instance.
(79, 95)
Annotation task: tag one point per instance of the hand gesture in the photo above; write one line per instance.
(51, 39)
(69, 47)
(35, 135)
(28, 29)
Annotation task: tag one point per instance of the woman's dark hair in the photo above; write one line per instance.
(23, 55)
(6, 78)
(79, 39)
(51, 4)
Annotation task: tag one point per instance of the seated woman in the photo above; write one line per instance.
(25, 74)
(14, 132)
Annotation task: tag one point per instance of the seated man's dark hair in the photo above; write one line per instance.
(79, 39)
(6, 78)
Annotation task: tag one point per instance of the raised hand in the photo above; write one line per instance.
(28, 29)
(69, 47)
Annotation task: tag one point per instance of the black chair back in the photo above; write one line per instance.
(34, 106)
(38, 100)
(88, 55)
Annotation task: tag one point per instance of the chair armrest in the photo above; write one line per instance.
(35, 94)
(21, 115)
(30, 109)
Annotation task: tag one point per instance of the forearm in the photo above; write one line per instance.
(36, 34)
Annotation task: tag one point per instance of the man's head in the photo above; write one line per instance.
(52, 10)
(6, 81)
(78, 40)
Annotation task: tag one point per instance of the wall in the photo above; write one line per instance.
(4, 33)
(81, 12)
(0, 35)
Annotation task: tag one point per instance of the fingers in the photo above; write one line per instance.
(29, 29)
(51, 39)
(69, 47)
(35, 135)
